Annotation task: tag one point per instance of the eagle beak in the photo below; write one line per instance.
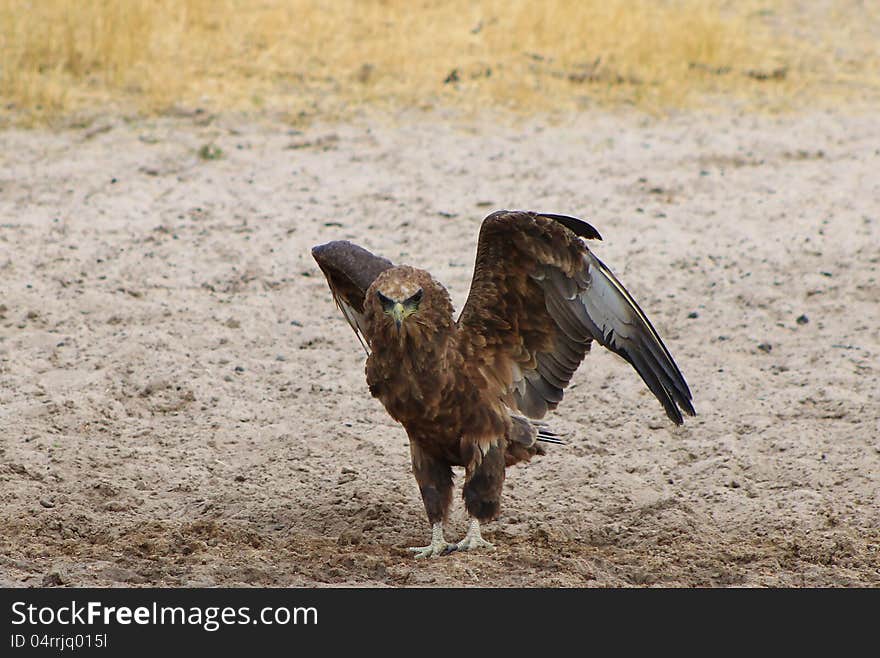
(397, 313)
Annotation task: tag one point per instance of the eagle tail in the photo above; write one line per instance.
(547, 435)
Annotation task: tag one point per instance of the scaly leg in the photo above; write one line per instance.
(438, 546)
(434, 478)
(484, 479)
(473, 539)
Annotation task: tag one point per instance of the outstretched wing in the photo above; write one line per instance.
(538, 299)
(350, 270)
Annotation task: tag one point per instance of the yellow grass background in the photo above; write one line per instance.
(304, 58)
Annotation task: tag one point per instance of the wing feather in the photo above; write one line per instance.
(550, 369)
(625, 329)
(539, 297)
(350, 270)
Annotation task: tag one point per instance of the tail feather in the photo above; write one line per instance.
(547, 435)
(526, 432)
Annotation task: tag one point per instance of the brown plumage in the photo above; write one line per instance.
(468, 392)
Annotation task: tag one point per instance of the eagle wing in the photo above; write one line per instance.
(350, 270)
(538, 298)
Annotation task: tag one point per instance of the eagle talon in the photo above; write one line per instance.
(438, 546)
(473, 540)
(474, 543)
(433, 550)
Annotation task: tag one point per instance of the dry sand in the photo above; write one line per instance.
(181, 404)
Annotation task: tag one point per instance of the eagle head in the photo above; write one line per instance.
(403, 294)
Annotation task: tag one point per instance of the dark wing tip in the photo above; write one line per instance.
(664, 379)
(577, 226)
(684, 405)
(631, 335)
(348, 257)
(349, 269)
(321, 252)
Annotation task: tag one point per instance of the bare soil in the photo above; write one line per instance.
(182, 405)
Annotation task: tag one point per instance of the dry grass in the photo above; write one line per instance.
(304, 58)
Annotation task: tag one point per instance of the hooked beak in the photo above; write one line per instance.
(398, 314)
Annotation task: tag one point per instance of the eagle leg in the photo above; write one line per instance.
(434, 478)
(473, 539)
(438, 546)
(484, 480)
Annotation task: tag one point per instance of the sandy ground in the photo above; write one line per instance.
(181, 404)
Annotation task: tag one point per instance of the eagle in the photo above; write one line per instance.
(472, 392)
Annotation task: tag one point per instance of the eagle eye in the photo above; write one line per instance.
(414, 300)
(387, 303)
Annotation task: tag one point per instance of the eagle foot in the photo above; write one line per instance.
(474, 543)
(433, 549)
(473, 540)
(438, 546)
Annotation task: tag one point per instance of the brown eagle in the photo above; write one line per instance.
(470, 391)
